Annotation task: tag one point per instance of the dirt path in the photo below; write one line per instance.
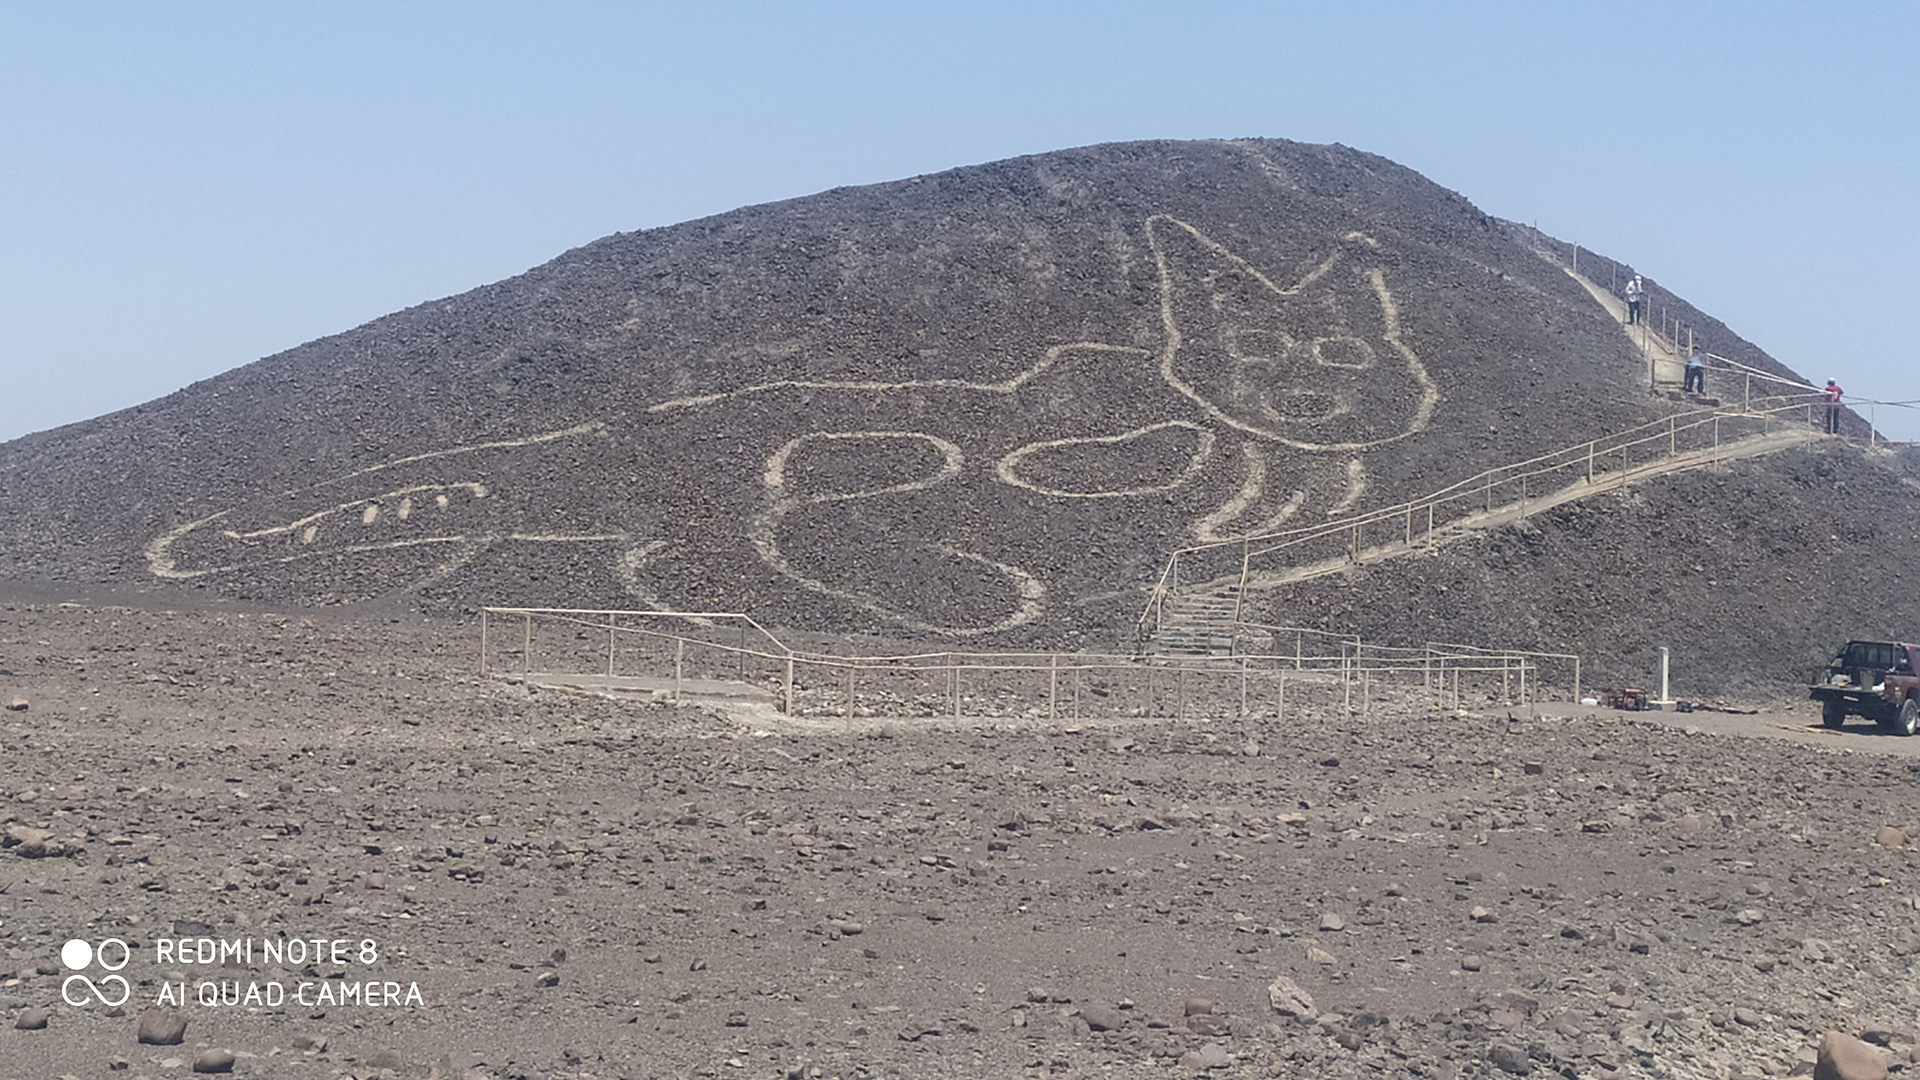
(1669, 367)
(1477, 523)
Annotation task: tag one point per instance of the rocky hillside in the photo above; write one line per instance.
(979, 405)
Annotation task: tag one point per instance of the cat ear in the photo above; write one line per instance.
(1314, 361)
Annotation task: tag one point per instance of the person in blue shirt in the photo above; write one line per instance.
(1696, 371)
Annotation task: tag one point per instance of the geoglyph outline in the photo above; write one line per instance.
(762, 530)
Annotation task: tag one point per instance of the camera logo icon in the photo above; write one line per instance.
(78, 956)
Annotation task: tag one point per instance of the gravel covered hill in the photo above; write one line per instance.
(979, 405)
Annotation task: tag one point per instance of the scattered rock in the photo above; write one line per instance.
(159, 1028)
(1197, 1007)
(1288, 999)
(1332, 923)
(18, 704)
(32, 1020)
(1843, 1057)
(1510, 1059)
(31, 843)
(1101, 1018)
(213, 1061)
(1483, 915)
(1210, 1056)
(1888, 836)
(1472, 962)
(1207, 1024)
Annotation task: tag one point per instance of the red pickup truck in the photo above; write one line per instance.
(1879, 680)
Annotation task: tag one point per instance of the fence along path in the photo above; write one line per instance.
(1201, 593)
(728, 661)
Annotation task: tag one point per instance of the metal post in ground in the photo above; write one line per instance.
(1346, 679)
(954, 669)
(612, 629)
(1053, 688)
(789, 684)
(1280, 706)
(742, 645)
(526, 646)
(1243, 688)
(483, 643)
(1506, 683)
(1181, 714)
(679, 658)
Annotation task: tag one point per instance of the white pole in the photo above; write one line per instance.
(1663, 674)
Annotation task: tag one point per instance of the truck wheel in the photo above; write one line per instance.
(1833, 713)
(1908, 720)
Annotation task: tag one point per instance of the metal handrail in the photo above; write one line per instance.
(1591, 454)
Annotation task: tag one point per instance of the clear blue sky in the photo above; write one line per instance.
(187, 187)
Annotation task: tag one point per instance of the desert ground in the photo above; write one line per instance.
(532, 883)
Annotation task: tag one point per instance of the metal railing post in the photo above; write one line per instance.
(483, 643)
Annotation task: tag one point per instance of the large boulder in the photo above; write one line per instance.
(1843, 1057)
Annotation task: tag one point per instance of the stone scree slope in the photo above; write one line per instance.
(977, 406)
